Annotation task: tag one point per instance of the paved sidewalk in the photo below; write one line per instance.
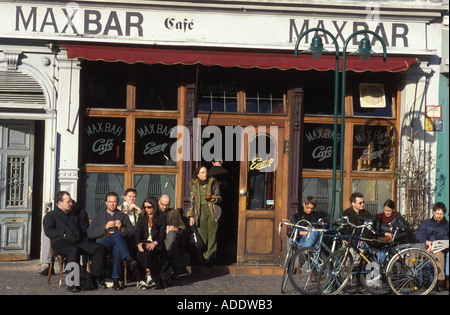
(21, 277)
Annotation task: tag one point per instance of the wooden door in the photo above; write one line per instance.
(260, 200)
(16, 178)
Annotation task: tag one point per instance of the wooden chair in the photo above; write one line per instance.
(61, 259)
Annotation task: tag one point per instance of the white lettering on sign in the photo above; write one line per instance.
(154, 129)
(101, 146)
(371, 154)
(322, 152)
(322, 133)
(153, 148)
(376, 136)
(104, 127)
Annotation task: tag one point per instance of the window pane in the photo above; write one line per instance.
(96, 186)
(264, 101)
(155, 185)
(261, 173)
(318, 146)
(372, 99)
(104, 84)
(264, 92)
(322, 190)
(103, 140)
(217, 95)
(16, 180)
(152, 141)
(372, 93)
(319, 93)
(373, 148)
(157, 88)
(375, 191)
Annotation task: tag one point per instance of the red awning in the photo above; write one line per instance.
(283, 61)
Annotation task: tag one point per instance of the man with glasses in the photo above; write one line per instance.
(436, 229)
(309, 214)
(356, 213)
(66, 228)
(175, 227)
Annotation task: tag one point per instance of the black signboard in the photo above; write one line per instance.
(373, 148)
(103, 140)
(318, 146)
(152, 141)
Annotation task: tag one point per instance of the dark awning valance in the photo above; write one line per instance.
(283, 61)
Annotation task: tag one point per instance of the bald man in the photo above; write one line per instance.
(175, 227)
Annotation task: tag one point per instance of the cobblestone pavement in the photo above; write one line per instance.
(20, 278)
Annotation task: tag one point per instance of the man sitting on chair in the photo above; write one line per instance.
(66, 228)
(109, 228)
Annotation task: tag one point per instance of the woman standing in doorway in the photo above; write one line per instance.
(204, 211)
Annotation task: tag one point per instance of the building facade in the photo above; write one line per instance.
(90, 93)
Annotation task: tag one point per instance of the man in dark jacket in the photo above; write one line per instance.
(435, 229)
(109, 228)
(308, 213)
(66, 228)
(356, 213)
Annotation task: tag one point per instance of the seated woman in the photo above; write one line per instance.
(151, 254)
(388, 220)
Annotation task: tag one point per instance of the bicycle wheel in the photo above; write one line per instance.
(412, 271)
(335, 272)
(372, 275)
(284, 280)
(304, 268)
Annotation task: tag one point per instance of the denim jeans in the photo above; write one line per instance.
(309, 240)
(116, 245)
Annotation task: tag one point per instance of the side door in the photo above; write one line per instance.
(260, 201)
(16, 178)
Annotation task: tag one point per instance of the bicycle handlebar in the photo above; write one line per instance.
(307, 228)
(354, 226)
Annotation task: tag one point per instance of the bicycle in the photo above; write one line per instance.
(406, 269)
(302, 264)
(292, 249)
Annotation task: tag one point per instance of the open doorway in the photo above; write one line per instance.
(228, 226)
(227, 237)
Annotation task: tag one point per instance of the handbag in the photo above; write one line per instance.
(217, 212)
(195, 239)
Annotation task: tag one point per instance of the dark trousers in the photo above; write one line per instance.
(73, 251)
(156, 261)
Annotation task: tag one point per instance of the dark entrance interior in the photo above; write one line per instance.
(228, 226)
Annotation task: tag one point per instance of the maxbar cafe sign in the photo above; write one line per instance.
(82, 23)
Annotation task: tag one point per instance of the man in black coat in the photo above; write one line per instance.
(66, 228)
(356, 214)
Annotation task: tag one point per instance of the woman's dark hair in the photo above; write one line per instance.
(389, 203)
(197, 170)
(144, 219)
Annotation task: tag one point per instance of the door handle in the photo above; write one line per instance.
(30, 192)
(243, 192)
